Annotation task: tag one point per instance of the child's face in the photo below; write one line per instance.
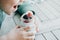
(27, 17)
(10, 6)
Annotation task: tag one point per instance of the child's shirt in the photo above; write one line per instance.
(2, 16)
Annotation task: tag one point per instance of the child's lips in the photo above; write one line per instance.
(26, 21)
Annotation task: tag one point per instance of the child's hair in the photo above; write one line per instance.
(24, 8)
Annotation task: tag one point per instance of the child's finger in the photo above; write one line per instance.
(27, 28)
(29, 38)
(22, 28)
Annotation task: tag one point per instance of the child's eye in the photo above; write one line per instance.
(15, 6)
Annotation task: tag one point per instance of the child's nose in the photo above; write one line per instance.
(29, 14)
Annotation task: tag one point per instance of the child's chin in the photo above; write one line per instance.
(9, 13)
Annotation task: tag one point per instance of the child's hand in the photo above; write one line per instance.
(19, 34)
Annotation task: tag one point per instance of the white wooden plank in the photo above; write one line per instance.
(39, 37)
(49, 36)
(40, 14)
(53, 10)
(39, 1)
(57, 1)
(57, 33)
(44, 7)
(54, 5)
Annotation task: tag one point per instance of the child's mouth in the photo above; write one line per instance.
(26, 21)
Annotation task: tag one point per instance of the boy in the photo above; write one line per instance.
(8, 7)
